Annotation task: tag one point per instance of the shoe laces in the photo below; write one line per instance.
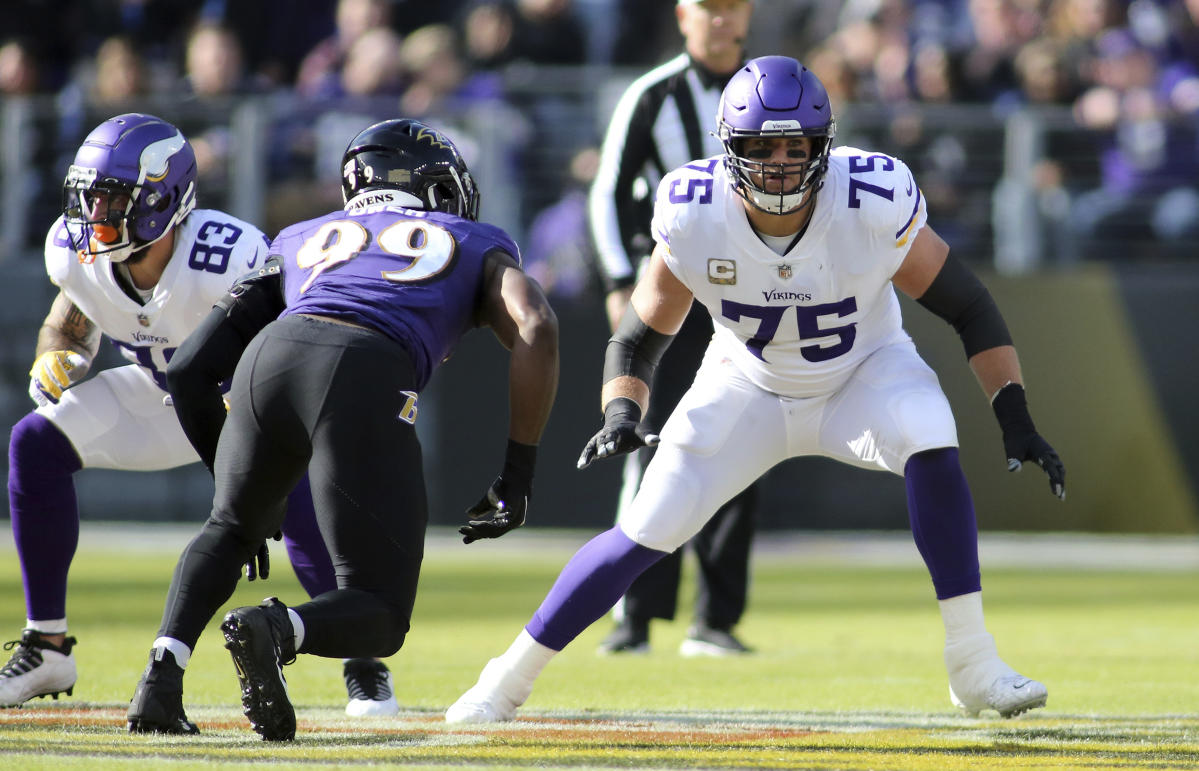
(366, 680)
(28, 655)
(26, 658)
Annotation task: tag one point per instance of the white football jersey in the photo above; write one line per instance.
(799, 324)
(212, 250)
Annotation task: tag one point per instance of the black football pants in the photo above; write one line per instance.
(722, 546)
(323, 397)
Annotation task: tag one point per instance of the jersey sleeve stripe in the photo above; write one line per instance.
(902, 235)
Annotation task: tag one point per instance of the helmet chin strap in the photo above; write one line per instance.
(782, 203)
(119, 254)
(777, 203)
(128, 249)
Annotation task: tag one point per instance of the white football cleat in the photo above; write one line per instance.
(36, 668)
(1009, 696)
(493, 699)
(980, 680)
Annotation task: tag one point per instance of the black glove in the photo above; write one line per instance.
(1021, 441)
(622, 432)
(259, 565)
(503, 506)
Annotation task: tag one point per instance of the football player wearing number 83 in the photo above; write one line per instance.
(333, 341)
(135, 260)
(809, 357)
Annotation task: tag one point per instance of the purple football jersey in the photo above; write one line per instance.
(414, 276)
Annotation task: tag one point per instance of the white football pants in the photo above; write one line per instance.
(727, 432)
(117, 420)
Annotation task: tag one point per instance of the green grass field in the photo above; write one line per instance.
(848, 673)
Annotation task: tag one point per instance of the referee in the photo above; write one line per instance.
(661, 122)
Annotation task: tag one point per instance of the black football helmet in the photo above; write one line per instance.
(413, 158)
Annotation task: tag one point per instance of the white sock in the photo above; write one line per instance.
(527, 657)
(49, 626)
(970, 653)
(297, 627)
(181, 652)
(963, 616)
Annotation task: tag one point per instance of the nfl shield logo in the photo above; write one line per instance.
(784, 271)
(141, 319)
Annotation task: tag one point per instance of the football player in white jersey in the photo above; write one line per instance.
(795, 250)
(134, 260)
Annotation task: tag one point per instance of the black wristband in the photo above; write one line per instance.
(1011, 408)
(620, 409)
(519, 460)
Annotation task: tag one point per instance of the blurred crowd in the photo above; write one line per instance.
(1125, 73)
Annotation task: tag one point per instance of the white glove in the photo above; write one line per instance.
(52, 373)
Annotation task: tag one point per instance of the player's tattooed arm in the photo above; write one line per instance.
(66, 345)
(67, 328)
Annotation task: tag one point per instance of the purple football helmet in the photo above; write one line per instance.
(133, 179)
(775, 96)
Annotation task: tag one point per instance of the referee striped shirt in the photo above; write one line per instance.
(665, 118)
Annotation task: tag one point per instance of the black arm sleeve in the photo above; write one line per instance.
(635, 349)
(957, 296)
(210, 354)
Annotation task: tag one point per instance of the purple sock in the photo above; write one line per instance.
(595, 578)
(942, 515)
(305, 547)
(45, 514)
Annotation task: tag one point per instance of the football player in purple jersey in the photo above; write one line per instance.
(135, 261)
(333, 340)
(795, 249)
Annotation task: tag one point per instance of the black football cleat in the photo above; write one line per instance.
(704, 640)
(261, 640)
(630, 636)
(157, 704)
